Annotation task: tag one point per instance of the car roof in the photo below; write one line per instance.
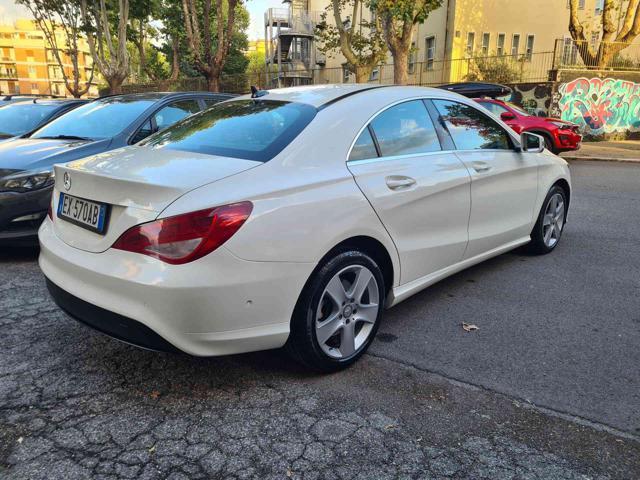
(155, 96)
(50, 101)
(321, 96)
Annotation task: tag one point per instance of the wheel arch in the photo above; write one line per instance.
(562, 183)
(371, 247)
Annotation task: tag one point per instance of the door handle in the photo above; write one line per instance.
(399, 182)
(481, 167)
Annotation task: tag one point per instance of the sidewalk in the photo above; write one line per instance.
(620, 151)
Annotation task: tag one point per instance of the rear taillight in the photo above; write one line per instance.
(184, 238)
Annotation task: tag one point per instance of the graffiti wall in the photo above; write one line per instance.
(601, 106)
(533, 97)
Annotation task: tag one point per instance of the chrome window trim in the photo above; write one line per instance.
(508, 131)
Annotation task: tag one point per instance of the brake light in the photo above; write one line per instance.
(187, 237)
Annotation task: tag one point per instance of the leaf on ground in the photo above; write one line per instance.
(152, 449)
(21, 439)
(289, 473)
(155, 394)
(469, 327)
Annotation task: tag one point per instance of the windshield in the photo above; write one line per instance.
(20, 118)
(248, 129)
(518, 109)
(99, 119)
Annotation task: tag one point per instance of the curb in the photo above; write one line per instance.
(601, 159)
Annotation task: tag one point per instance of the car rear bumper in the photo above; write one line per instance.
(217, 305)
(22, 213)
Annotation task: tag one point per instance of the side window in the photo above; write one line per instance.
(364, 147)
(173, 112)
(494, 108)
(470, 128)
(143, 132)
(404, 129)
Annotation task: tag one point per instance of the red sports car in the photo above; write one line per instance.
(559, 136)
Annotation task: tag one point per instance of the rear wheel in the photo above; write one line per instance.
(548, 228)
(338, 312)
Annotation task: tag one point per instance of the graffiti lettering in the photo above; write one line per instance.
(601, 106)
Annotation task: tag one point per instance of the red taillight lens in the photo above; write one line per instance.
(185, 238)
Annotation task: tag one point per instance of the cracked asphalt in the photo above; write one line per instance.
(547, 388)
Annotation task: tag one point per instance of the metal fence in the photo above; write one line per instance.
(603, 55)
(528, 68)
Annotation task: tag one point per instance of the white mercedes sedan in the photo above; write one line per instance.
(294, 217)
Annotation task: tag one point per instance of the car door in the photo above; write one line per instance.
(420, 192)
(504, 181)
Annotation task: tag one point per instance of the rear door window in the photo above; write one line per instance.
(405, 129)
(174, 112)
(470, 128)
(364, 148)
(248, 129)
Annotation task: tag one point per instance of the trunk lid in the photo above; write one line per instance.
(138, 183)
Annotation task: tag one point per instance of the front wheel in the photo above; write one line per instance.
(548, 228)
(338, 312)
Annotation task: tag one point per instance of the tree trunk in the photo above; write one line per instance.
(400, 65)
(363, 74)
(175, 60)
(213, 83)
(115, 85)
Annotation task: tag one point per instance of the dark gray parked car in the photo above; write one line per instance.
(26, 163)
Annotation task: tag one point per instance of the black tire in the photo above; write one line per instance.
(302, 344)
(548, 144)
(538, 246)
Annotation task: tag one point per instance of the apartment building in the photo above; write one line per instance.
(28, 64)
(534, 35)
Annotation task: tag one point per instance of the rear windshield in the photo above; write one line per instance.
(20, 118)
(248, 129)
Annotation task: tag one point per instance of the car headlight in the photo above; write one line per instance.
(26, 181)
(562, 125)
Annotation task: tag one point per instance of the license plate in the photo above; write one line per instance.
(84, 213)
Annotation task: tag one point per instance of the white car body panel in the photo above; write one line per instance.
(306, 201)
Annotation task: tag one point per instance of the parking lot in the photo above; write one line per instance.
(547, 387)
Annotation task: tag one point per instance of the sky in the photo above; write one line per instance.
(9, 11)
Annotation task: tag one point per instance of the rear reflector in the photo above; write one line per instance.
(187, 237)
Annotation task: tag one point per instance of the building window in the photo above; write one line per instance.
(471, 40)
(412, 58)
(530, 41)
(346, 74)
(595, 37)
(569, 52)
(500, 44)
(430, 52)
(486, 41)
(375, 74)
(599, 7)
(515, 44)
(34, 86)
(580, 4)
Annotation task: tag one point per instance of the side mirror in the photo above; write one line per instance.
(530, 142)
(506, 116)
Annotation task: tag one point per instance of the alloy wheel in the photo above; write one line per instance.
(553, 220)
(347, 311)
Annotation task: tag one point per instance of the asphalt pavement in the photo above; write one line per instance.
(548, 387)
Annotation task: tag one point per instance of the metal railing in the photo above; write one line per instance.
(537, 67)
(617, 56)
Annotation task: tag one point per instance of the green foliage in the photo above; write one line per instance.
(414, 11)
(496, 68)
